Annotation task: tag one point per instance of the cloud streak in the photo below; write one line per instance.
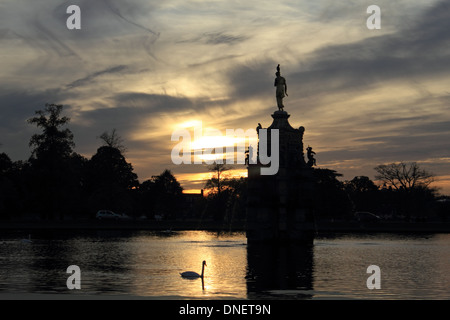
(88, 79)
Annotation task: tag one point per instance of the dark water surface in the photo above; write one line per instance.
(148, 264)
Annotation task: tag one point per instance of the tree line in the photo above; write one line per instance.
(405, 194)
(58, 183)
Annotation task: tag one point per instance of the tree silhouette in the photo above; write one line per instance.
(113, 140)
(6, 185)
(217, 181)
(236, 189)
(331, 200)
(410, 186)
(53, 142)
(109, 180)
(5, 163)
(168, 195)
(227, 197)
(53, 182)
(405, 176)
(363, 192)
(167, 183)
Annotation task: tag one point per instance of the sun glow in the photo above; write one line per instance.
(208, 144)
(189, 124)
(212, 142)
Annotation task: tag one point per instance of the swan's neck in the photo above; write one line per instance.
(203, 270)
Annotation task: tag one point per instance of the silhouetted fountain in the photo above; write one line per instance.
(279, 208)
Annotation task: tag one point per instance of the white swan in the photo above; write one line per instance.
(27, 240)
(192, 274)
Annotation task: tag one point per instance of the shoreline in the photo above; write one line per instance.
(219, 226)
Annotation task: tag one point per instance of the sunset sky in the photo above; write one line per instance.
(147, 68)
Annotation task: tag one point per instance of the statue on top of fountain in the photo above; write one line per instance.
(281, 91)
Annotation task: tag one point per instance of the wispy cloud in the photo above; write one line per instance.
(88, 79)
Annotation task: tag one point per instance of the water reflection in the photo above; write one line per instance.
(279, 271)
(149, 264)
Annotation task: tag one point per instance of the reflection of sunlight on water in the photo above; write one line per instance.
(161, 260)
(224, 265)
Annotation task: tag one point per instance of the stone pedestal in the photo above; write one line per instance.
(279, 208)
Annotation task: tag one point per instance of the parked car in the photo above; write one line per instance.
(107, 215)
(364, 216)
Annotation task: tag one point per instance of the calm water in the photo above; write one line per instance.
(148, 264)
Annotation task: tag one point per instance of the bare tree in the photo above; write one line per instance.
(217, 180)
(113, 140)
(405, 176)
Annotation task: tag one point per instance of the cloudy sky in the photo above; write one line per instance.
(147, 68)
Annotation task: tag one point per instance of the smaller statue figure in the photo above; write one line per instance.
(310, 154)
(248, 155)
(281, 91)
(302, 132)
(258, 127)
(257, 131)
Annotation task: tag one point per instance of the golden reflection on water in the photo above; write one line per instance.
(162, 259)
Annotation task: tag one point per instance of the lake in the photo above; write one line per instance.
(148, 264)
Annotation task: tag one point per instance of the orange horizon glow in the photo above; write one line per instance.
(442, 183)
(190, 181)
(193, 191)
